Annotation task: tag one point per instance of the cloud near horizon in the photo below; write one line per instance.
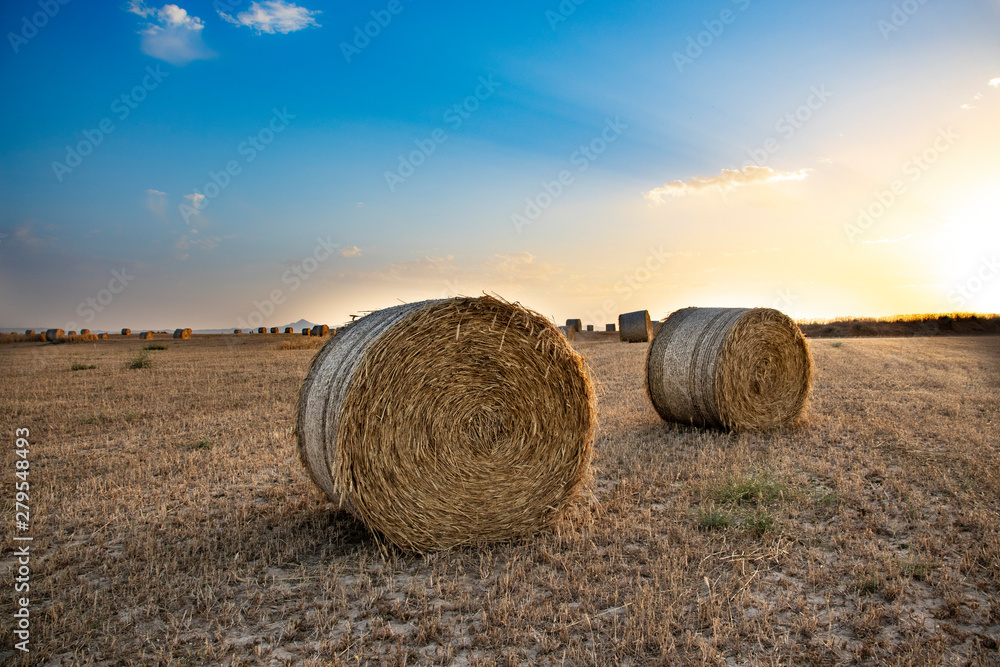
(173, 36)
(725, 180)
(350, 251)
(272, 16)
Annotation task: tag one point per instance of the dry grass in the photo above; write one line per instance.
(175, 524)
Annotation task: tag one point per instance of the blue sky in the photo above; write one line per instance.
(264, 163)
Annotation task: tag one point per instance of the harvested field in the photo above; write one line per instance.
(174, 523)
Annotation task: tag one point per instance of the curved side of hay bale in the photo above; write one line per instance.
(734, 368)
(610, 327)
(126, 332)
(577, 324)
(448, 422)
(635, 327)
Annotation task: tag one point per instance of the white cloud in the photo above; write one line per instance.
(151, 191)
(196, 200)
(350, 251)
(173, 36)
(156, 202)
(995, 82)
(725, 180)
(273, 16)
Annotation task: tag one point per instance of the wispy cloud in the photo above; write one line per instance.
(156, 202)
(519, 268)
(273, 16)
(995, 82)
(173, 35)
(350, 251)
(725, 180)
(196, 199)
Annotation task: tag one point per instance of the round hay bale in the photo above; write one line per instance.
(146, 335)
(84, 332)
(126, 332)
(590, 328)
(321, 330)
(635, 327)
(448, 422)
(71, 333)
(29, 332)
(104, 336)
(261, 330)
(53, 334)
(609, 327)
(237, 331)
(306, 331)
(274, 329)
(183, 334)
(289, 330)
(576, 324)
(735, 368)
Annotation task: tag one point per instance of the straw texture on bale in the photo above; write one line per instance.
(635, 327)
(146, 335)
(609, 327)
(577, 325)
(126, 332)
(448, 422)
(321, 330)
(735, 368)
(183, 334)
(289, 330)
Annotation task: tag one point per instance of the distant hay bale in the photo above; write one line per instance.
(609, 327)
(635, 327)
(126, 332)
(306, 331)
(237, 331)
(29, 332)
(54, 334)
(84, 332)
(289, 330)
(735, 368)
(104, 336)
(576, 324)
(449, 422)
(146, 335)
(183, 334)
(590, 327)
(321, 330)
(71, 333)
(274, 329)
(262, 330)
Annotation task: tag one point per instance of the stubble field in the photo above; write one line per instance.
(173, 522)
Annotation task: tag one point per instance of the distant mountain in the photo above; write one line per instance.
(299, 326)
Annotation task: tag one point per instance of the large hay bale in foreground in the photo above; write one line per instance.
(448, 422)
(736, 368)
(635, 327)
(146, 335)
(577, 325)
(126, 332)
(183, 334)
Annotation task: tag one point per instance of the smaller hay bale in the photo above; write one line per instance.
(609, 327)
(289, 330)
(146, 335)
(104, 336)
(274, 329)
(321, 330)
(183, 334)
(84, 332)
(126, 332)
(237, 331)
(590, 327)
(71, 333)
(29, 332)
(306, 331)
(261, 330)
(576, 324)
(735, 368)
(635, 327)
